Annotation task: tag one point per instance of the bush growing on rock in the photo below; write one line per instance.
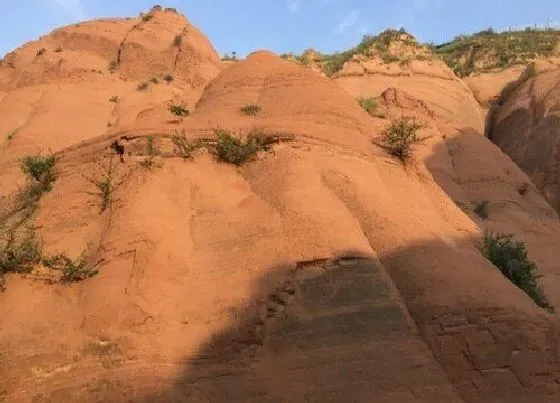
(179, 110)
(369, 104)
(399, 138)
(251, 109)
(511, 258)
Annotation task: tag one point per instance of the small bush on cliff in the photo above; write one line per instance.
(168, 78)
(178, 40)
(481, 209)
(369, 104)
(511, 258)
(185, 147)
(151, 151)
(399, 138)
(72, 270)
(39, 167)
(107, 180)
(18, 256)
(179, 110)
(235, 151)
(251, 109)
(40, 177)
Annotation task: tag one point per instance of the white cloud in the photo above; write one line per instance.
(294, 5)
(74, 9)
(348, 22)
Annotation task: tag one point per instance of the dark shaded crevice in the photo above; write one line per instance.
(179, 49)
(121, 45)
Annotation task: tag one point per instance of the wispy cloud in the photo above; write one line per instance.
(74, 9)
(348, 22)
(294, 5)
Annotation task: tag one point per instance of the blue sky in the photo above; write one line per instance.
(289, 25)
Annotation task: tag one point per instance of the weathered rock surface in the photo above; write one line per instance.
(322, 270)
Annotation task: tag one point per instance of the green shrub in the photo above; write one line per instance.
(18, 256)
(154, 80)
(369, 104)
(178, 40)
(151, 150)
(481, 209)
(511, 258)
(185, 147)
(168, 78)
(235, 151)
(147, 17)
(72, 270)
(251, 109)
(39, 168)
(106, 181)
(178, 110)
(399, 138)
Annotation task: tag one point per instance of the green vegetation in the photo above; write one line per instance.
(72, 270)
(177, 40)
(482, 210)
(168, 78)
(20, 250)
(511, 258)
(40, 172)
(185, 147)
(114, 99)
(151, 151)
(107, 180)
(251, 109)
(236, 151)
(154, 80)
(399, 138)
(40, 168)
(18, 256)
(147, 17)
(369, 104)
(369, 46)
(179, 110)
(487, 49)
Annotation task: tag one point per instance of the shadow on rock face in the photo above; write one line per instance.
(338, 330)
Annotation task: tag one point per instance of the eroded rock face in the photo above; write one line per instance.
(527, 128)
(85, 80)
(323, 269)
(428, 79)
